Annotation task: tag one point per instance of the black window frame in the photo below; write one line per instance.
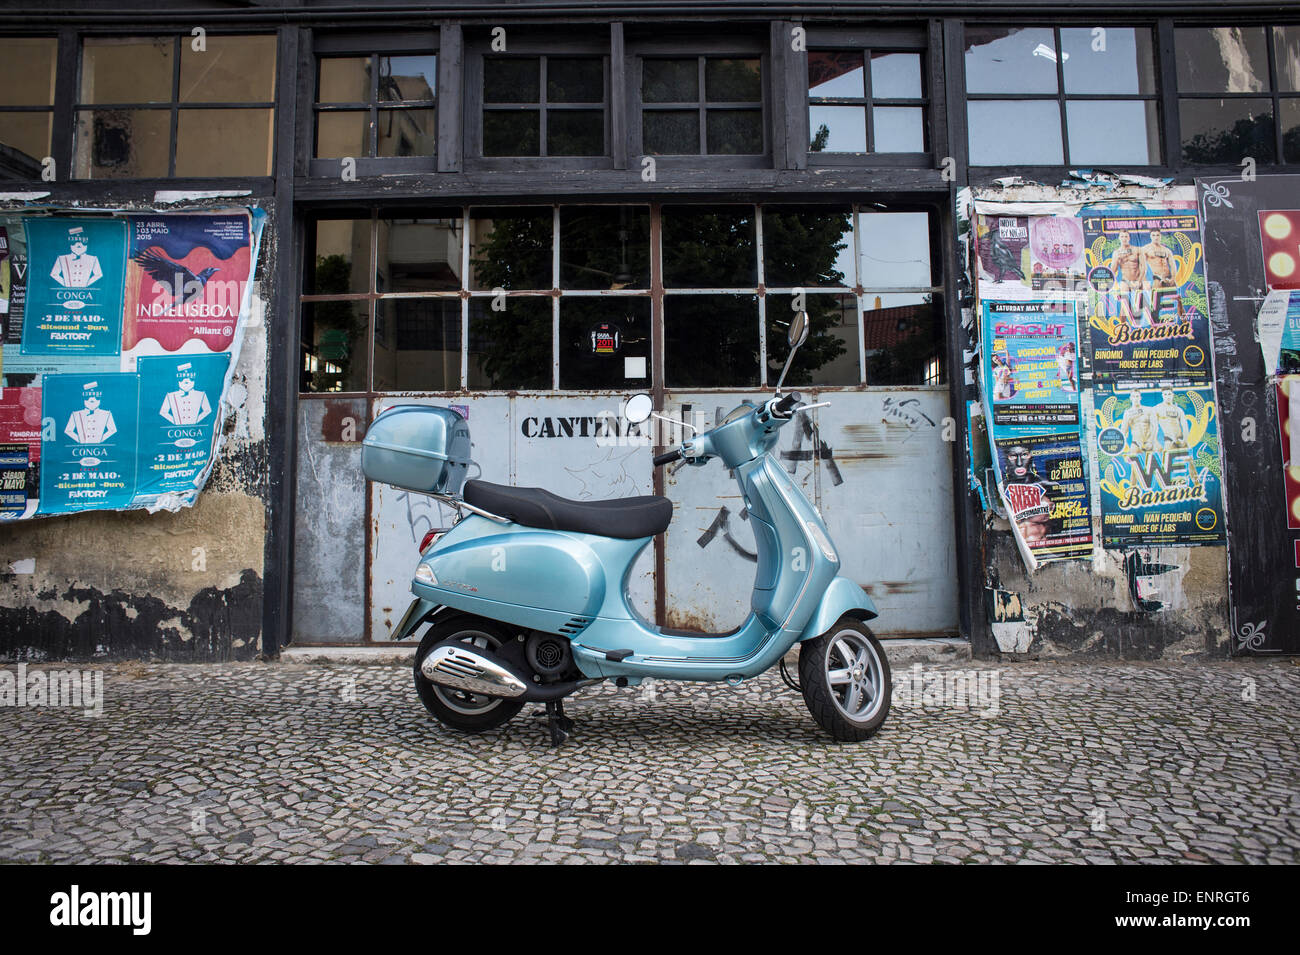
(1062, 97)
(701, 49)
(374, 45)
(173, 106)
(529, 43)
(864, 41)
(51, 110)
(1273, 93)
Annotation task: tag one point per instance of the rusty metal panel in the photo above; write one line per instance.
(329, 523)
(876, 465)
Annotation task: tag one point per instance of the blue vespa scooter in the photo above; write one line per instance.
(526, 598)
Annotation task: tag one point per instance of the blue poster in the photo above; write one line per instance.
(75, 286)
(1031, 363)
(179, 398)
(88, 447)
(1161, 474)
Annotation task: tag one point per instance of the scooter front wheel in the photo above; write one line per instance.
(844, 676)
(460, 709)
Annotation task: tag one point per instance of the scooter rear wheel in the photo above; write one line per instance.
(460, 709)
(844, 676)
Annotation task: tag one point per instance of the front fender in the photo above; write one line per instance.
(843, 598)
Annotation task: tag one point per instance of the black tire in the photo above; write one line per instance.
(458, 709)
(846, 717)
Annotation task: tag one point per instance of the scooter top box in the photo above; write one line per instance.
(418, 448)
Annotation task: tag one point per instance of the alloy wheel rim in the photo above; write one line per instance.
(855, 676)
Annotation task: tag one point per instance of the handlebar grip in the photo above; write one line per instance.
(668, 457)
(783, 405)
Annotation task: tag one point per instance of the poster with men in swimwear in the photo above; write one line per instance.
(1161, 476)
(1145, 303)
(1031, 362)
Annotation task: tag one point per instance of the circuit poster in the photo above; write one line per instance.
(1031, 362)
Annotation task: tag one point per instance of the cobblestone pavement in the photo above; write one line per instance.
(293, 762)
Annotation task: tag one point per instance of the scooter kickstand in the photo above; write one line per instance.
(561, 726)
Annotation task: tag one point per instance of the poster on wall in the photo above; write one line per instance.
(1277, 327)
(1031, 362)
(1145, 303)
(1287, 391)
(115, 378)
(1279, 240)
(89, 455)
(1161, 478)
(1056, 246)
(20, 449)
(1002, 254)
(185, 282)
(1045, 491)
(13, 279)
(74, 291)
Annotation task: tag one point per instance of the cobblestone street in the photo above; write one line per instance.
(296, 762)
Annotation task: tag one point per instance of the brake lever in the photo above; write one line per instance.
(820, 404)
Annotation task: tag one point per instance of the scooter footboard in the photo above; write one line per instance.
(842, 598)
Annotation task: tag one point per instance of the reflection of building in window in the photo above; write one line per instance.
(28, 96)
(376, 106)
(903, 344)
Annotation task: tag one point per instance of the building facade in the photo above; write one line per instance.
(528, 211)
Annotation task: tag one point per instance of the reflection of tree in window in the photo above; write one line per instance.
(514, 345)
(335, 325)
(1246, 137)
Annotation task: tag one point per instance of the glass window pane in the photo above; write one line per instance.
(512, 132)
(711, 341)
(407, 78)
(1124, 132)
(604, 247)
(335, 352)
(1226, 131)
(575, 81)
(338, 257)
(1221, 60)
(807, 246)
(1115, 60)
(709, 247)
(344, 79)
(837, 129)
(734, 132)
(670, 132)
(417, 344)
(733, 81)
(127, 70)
(27, 71)
(224, 142)
(596, 335)
(1286, 58)
(894, 250)
(575, 132)
(510, 248)
(122, 143)
(900, 129)
(830, 355)
(1010, 60)
(1037, 133)
(895, 75)
(512, 80)
(420, 255)
(1291, 130)
(835, 73)
(25, 139)
(342, 133)
(902, 338)
(233, 69)
(511, 348)
(670, 81)
(406, 132)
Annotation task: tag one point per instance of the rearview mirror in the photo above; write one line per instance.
(798, 333)
(639, 408)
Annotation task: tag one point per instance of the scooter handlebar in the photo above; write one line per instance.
(785, 405)
(668, 457)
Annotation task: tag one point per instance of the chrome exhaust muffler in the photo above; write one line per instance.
(462, 668)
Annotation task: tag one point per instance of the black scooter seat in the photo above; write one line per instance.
(623, 517)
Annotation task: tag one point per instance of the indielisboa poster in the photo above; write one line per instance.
(117, 368)
(1160, 466)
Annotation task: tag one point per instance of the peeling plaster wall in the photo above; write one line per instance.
(132, 585)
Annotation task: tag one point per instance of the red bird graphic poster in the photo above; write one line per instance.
(185, 282)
